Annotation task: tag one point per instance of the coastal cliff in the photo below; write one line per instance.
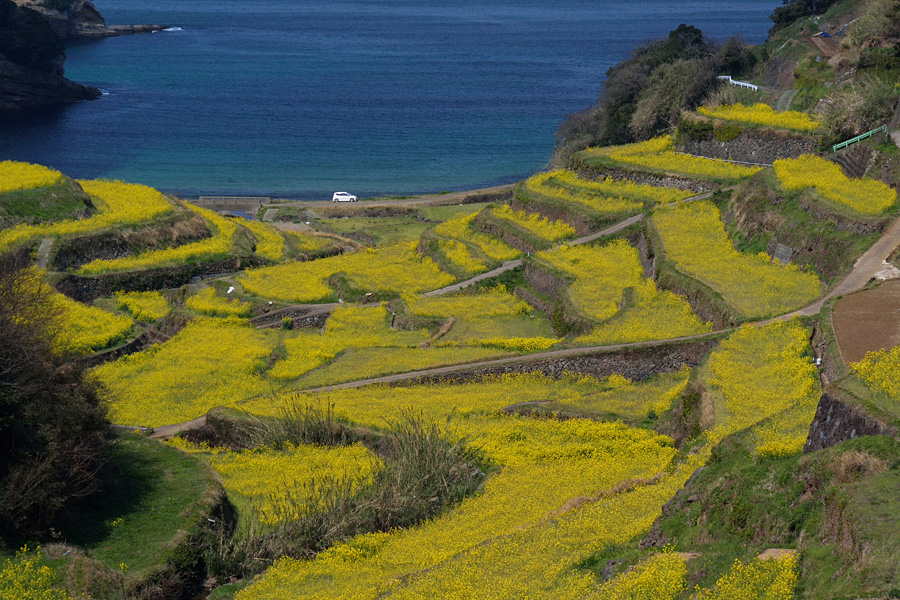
(31, 62)
(80, 19)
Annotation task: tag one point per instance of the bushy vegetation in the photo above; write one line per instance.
(644, 94)
(53, 428)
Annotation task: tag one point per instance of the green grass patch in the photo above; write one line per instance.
(439, 214)
(384, 230)
(61, 201)
(153, 496)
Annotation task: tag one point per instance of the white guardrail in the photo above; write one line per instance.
(736, 82)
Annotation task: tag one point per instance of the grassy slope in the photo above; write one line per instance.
(64, 200)
(153, 497)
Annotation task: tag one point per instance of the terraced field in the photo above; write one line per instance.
(559, 480)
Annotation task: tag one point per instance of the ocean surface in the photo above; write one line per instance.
(299, 98)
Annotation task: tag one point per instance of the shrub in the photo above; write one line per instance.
(53, 430)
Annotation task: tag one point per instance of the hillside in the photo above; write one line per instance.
(665, 369)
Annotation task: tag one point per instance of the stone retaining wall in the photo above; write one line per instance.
(635, 364)
(837, 422)
(751, 145)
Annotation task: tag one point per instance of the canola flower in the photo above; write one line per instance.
(547, 509)
(461, 227)
(25, 176)
(28, 577)
(398, 269)
(269, 241)
(764, 373)
(658, 155)
(209, 363)
(459, 255)
(762, 114)
(536, 224)
(118, 203)
(622, 398)
(881, 371)
(347, 327)
(80, 329)
(659, 577)
(517, 344)
(862, 196)
(219, 244)
(487, 547)
(143, 306)
(695, 240)
(497, 302)
(267, 477)
(605, 195)
(306, 242)
(773, 579)
(601, 275)
(209, 303)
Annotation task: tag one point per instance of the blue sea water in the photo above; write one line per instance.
(298, 98)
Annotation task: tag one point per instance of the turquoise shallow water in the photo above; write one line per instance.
(297, 98)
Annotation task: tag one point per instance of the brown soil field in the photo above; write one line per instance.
(868, 320)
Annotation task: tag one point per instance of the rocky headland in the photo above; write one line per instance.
(80, 19)
(32, 52)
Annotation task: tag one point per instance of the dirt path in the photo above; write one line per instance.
(784, 100)
(863, 270)
(43, 253)
(428, 200)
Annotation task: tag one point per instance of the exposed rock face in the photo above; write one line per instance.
(20, 87)
(836, 422)
(31, 62)
(80, 19)
(758, 146)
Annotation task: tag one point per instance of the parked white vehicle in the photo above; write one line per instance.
(343, 197)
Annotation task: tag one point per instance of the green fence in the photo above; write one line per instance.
(883, 129)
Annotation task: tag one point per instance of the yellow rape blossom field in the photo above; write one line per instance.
(144, 306)
(118, 203)
(601, 275)
(879, 370)
(78, 328)
(269, 241)
(398, 269)
(550, 231)
(348, 327)
(461, 257)
(765, 374)
(695, 240)
(497, 302)
(545, 464)
(762, 114)
(461, 228)
(210, 363)
(658, 155)
(220, 244)
(660, 577)
(24, 176)
(209, 303)
(604, 195)
(262, 477)
(862, 196)
(29, 577)
(773, 579)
